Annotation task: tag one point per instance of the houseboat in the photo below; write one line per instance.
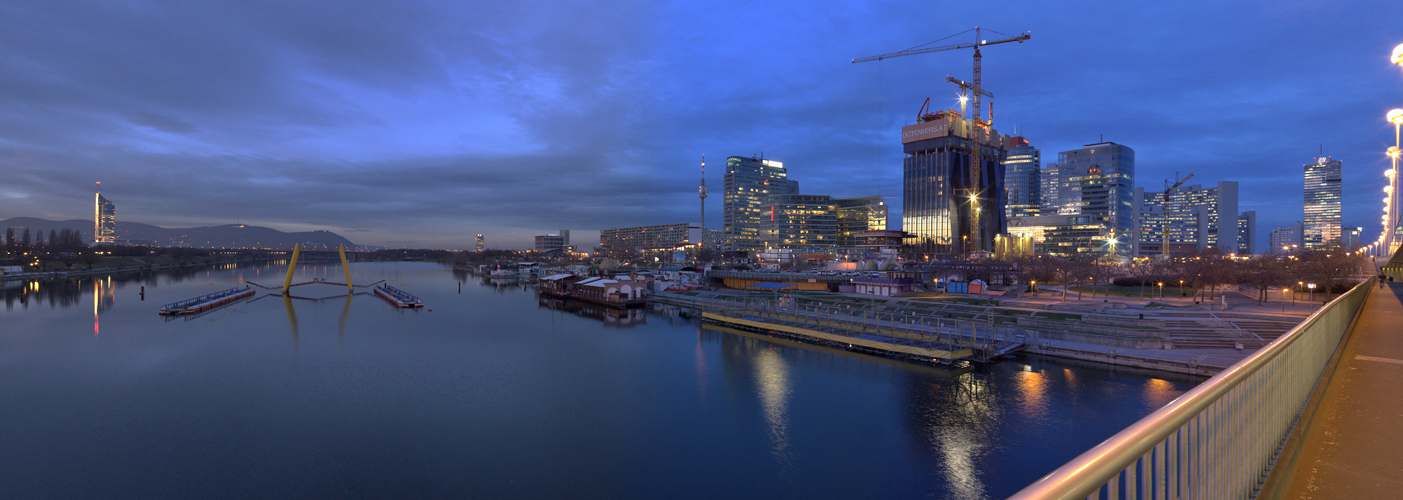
(621, 292)
(206, 302)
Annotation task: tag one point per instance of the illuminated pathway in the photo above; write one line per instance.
(1350, 442)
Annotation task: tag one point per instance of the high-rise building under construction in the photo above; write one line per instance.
(952, 184)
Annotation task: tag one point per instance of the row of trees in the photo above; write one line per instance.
(1330, 269)
(66, 240)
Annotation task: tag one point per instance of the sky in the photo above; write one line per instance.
(420, 123)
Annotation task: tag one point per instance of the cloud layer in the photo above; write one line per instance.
(423, 123)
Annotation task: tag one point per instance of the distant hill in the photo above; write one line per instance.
(226, 236)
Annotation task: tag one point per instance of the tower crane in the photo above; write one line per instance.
(977, 90)
(976, 87)
(1164, 250)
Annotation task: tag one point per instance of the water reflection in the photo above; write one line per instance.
(773, 385)
(1159, 392)
(1032, 391)
(103, 298)
(621, 318)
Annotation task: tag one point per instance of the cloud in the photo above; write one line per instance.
(424, 123)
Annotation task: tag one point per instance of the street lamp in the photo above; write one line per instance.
(1161, 289)
(1311, 286)
(1181, 288)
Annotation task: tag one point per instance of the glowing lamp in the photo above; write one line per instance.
(1395, 116)
(1397, 57)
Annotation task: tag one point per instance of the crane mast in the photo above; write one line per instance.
(977, 131)
(1164, 249)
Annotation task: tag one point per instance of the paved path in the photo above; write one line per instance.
(1351, 448)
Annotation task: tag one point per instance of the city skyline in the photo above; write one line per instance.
(425, 124)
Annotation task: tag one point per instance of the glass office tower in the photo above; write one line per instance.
(1023, 180)
(749, 182)
(1322, 202)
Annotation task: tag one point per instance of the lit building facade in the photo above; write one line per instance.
(643, 239)
(1322, 202)
(1284, 240)
(1022, 180)
(1196, 218)
(748, 184)
(480, 243)
(1098, 181)
(553, 242)
(1049, 184)
(952, 185)
(800, 221)
(858, 214)
(1065, 235)
(104, 220)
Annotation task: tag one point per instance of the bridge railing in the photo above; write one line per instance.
(1220, 439)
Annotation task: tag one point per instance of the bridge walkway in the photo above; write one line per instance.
(1349, 445)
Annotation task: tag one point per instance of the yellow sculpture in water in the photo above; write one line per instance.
(347, 268)
(296, 250)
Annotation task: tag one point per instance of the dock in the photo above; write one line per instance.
(399, 298)
(206, 302)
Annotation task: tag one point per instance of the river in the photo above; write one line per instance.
(490, 392)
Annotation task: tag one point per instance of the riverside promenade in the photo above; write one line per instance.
(1349, 442)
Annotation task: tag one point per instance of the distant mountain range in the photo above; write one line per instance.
(226, 236)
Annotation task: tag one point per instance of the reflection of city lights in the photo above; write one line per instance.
(772, 381)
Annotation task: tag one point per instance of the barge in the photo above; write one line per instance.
(399, 298)
(206, 302)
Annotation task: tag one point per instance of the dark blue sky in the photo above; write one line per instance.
(421, 123)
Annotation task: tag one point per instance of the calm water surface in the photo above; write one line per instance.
(493, 393)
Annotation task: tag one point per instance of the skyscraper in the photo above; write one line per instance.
(1098, 180)
(104, 220)
(1049, 182)
(952, 184)
(1023, 180)
(1322, 202)
(480, 242)
(748, 184)
(1196, 218)
(1247, 233)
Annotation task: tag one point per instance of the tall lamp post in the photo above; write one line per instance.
(1311, 286)
(1391, 202)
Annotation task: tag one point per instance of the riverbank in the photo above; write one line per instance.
(103, 271)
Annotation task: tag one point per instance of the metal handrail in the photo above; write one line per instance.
(1219, 439)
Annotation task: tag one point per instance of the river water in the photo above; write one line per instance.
(490, 392)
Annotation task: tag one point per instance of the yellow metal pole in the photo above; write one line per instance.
(296, 250)
(347, 268)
